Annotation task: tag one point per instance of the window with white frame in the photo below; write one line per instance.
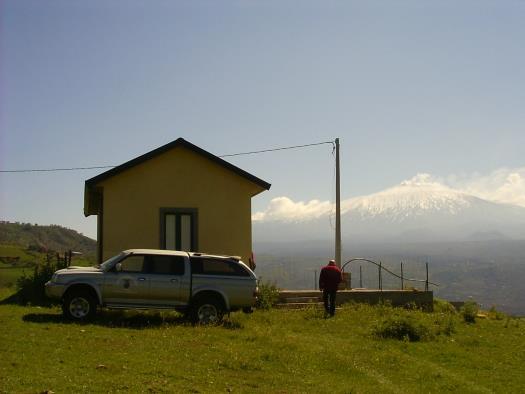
(178, 229)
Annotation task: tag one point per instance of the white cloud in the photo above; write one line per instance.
(285, 209)
(420, 179)
(504, 185)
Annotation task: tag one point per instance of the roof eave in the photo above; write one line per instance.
(178, 142)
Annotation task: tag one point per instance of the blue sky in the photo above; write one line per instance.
(408, 86)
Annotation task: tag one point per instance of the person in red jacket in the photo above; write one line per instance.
(329, 280)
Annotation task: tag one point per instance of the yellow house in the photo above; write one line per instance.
(178, 197)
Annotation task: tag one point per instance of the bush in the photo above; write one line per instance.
(404, 326)
(494, 314)
(469, 311)
(414, 325)
(443, 306)
(268, 296)
(31, 287)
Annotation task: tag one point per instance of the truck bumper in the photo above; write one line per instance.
(54, 290)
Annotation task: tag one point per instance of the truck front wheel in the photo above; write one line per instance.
(207, 311)
(79, 305)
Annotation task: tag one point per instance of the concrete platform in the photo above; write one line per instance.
(298, 298)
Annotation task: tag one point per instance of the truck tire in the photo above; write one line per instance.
(207, 310)
(79, 305)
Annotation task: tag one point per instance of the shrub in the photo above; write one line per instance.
(268, 296)
(411, 306)
(443, 306)
(414, 325)
(31, 287)
(469, 311)
(404, 326)
(494, 314)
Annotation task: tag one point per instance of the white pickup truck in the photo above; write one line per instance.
(200, 285)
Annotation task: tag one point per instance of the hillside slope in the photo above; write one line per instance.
(278, 351)
(52, 237)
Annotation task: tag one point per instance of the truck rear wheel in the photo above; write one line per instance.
(207, 310)
(79, 305)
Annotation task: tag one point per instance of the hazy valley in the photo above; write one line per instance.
(474, 247)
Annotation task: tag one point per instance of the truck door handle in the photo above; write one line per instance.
(174, 280)
(141, 279)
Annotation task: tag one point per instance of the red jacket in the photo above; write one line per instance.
(330, 278)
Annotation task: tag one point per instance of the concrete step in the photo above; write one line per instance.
(299, 305)
(300, 293)
(294, 300)
(302, 305)
(422, 299)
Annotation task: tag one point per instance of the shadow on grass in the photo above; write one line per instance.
(124, 319)
(13, 299)
(19, 298)
(113, 319)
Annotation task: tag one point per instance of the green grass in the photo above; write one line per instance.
(83, 262)
(10, 272)
(15, 251)
(276, 351)
(21, 252)
(30, 257)
(9, 275)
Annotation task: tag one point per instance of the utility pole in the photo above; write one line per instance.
(337, 207)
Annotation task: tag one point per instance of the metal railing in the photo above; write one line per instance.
(382, 268)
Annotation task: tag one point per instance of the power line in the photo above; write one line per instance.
(58, 169)
(229, 155)
(276, 149)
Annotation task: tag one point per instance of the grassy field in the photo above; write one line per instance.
(9, 275)
(273, 351)
(10, 272)
(22, 253)
(28, 258)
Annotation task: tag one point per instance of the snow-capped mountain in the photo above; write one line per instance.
(415, 210)
(411, 198)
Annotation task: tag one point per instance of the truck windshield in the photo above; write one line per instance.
(106, 265)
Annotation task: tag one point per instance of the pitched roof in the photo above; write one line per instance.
(179, 142)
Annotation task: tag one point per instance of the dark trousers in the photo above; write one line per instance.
(329, 301)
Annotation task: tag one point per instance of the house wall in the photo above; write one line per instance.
(178, 178)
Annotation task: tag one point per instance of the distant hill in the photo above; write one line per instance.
(492, 272)
(53, 237)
